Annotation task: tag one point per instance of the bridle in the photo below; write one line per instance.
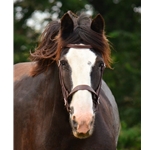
(67, 95)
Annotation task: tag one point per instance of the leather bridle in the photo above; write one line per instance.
(67, 95)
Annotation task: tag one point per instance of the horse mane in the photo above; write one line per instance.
(51, 43)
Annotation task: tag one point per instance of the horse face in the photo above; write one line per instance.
(81, 67)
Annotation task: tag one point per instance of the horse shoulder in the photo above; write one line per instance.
(28, 108)
(114, 107)
(23, 69)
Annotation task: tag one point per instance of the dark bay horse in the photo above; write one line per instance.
(60, 99)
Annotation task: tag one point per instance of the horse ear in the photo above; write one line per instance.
(98, 24)
(66, 26)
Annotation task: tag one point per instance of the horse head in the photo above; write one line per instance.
(81, 66)
(79, 46)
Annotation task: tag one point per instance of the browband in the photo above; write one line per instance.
(78, 46)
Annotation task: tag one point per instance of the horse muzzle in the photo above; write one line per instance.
(82, 128)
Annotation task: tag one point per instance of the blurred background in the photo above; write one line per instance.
(123, 29)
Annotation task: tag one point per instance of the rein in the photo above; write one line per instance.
(67, 95)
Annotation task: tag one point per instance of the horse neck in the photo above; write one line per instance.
(54, 100)
(56, 118)
(53, 88)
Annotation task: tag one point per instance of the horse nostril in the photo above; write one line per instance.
(92, 122)
(73, 117)
(71, 110)
(74, 123)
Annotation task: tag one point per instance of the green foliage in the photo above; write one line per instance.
(124, 81)
(122, 21)
(129, 137)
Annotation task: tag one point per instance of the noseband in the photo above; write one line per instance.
(67, 95)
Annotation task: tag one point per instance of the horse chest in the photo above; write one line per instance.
(60, 137)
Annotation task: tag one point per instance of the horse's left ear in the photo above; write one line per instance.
(98, 24)
(66, 26)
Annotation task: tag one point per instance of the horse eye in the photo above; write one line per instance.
(101, 64)
(63, 62)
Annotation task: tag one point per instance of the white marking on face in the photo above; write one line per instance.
(81, 62)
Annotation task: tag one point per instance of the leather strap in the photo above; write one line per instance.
(78, 46)
(82, 87)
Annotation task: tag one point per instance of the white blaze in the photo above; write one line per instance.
(81, 62)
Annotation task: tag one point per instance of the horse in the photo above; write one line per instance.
(61, 101)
